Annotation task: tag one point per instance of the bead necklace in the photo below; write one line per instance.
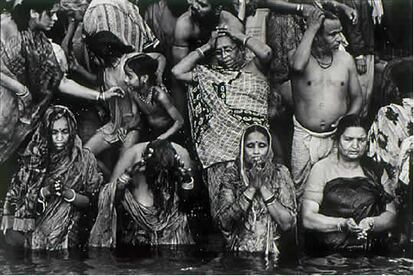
(322, 64)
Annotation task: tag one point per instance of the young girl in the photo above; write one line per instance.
(158, 114)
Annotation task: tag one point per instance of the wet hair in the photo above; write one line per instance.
(162, 173)
(21, 13)
(330, 13)
(347, 121)
(142, 65)
(107, 46)
(55, 113)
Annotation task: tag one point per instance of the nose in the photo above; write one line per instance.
(256, 150)
(54, 17)
(354, 144)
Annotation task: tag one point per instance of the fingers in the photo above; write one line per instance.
(352, 226)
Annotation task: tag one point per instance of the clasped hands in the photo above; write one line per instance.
(360, 230)
(55, 188)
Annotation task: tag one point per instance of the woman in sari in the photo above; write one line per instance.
(345, 206)
(257, 197)
(143, 206)
(53, 187)
(30, 73)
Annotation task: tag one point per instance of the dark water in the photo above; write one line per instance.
(191, 260)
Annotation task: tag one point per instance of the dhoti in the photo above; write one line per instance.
(308, 147)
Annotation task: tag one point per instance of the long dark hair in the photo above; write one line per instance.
(21, 13)
(162, 173)
(107, 46)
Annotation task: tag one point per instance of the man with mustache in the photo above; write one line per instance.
(226, 95)
(325, 88)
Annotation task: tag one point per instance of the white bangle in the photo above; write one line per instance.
(41, 193)
(25, 92)
(200, 52)
(188, 185)
(71, 199)
(98, 97)
(245, 40)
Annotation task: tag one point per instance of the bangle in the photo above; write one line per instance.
(339, 226)
(71, 199)
(25, 92)
(188, 185)
(270, 200)
(103, 97)
(200, 52)
(124, 178)
(299, 8)
(98, 97)
(360, 57)
(245, 40)
(247, 197)
(41, 193)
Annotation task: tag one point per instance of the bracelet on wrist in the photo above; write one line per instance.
(200, 52)
(339, 226)
(124, 178)
(247, 197)
(71, 199)
(188, 185)
(270, 200)
(299, 9)
(41, 194)
(24, 92)
(245, 40)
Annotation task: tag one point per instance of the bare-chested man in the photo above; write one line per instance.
(325, 87)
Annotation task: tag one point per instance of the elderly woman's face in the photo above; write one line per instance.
(352, 143)
(60, 133)
(256, 146)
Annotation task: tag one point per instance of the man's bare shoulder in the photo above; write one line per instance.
(184, 27)
(344, 57)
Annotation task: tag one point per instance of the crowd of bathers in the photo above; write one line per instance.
(117, 116)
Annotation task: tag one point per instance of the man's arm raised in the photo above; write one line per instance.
(183, 70)
(299, 58)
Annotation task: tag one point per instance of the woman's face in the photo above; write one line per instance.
(352, 143)
(47, 19)
(256, 147)
(132, 80)
(60, 133)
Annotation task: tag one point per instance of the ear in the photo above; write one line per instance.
(34, 14)
(145, 78)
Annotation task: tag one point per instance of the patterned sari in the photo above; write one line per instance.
(27, 57)
(249, 226)
(56, 226)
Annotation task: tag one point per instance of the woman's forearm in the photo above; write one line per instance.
(76, 199)
(70, 87)
(10, 83)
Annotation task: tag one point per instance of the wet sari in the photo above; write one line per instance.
(250, 227)
(56, 225)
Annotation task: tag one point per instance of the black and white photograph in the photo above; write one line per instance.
(206, 137)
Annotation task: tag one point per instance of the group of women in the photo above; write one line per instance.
(58, 199)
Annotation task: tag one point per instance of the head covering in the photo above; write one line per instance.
(268, 157)
(74, 5)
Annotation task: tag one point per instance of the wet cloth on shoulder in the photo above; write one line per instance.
(144, 226)
(222, 103)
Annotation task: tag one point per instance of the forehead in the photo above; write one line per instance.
(224, 41)
(332, 25)
(354, 132)
(256, 137)
(60, 123)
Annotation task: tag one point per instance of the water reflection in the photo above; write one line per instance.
(190, 260)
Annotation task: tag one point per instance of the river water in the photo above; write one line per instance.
(197, 259)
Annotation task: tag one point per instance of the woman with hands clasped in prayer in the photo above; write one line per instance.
(345, 204)
(257, 199)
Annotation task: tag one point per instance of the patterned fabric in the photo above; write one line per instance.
(249, 227)
(123, 19)
(126, 220)
(222, 104)
(27, 57)
(39, 165)
(393, 124)
(284, 33)
(307, 148)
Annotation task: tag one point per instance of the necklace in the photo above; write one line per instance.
(324, 65)
(146, 99)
